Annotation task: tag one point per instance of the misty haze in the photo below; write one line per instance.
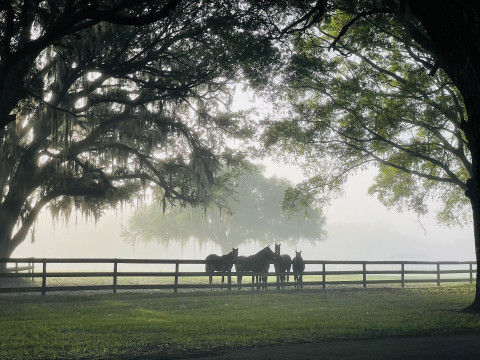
(357, 228)
(239, 179)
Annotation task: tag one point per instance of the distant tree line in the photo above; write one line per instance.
(251, 210)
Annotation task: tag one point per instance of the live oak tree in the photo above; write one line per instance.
(375, 105)
(102, 99)
(395, 83)
(247, 207)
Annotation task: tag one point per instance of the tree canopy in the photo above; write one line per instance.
(99, 100)
(403, 93)
(368, 99)
(248, 209)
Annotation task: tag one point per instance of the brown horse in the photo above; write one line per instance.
(298, 269)
(222, 263)
(282, 265)
(258, 264)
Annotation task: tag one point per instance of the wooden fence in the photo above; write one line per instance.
(26, 266)
(319, 273)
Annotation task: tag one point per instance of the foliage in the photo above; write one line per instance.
(144, 325)
(362, 94)
(247, 207)
(101, 100)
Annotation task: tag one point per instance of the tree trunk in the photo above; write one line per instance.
(473, 194)
(454, 31)
(5, 251)
(8, 219)
(472, 133)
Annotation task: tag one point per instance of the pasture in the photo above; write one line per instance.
(104, 325)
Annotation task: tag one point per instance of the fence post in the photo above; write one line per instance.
(44, 277)
(177, 266)
(32, 268)
(16, 267)
(403, 275)
(230, 280)
(438, 274)
(471, 273)
(364, 275)
(324, 276)
(115, 271)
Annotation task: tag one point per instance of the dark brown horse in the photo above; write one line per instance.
(298, 267)
(282, 265)
(258, 264)
(222, 263)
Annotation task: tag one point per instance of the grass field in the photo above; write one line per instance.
(102, 326)
(203, 280)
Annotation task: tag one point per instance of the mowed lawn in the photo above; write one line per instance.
(103, 326)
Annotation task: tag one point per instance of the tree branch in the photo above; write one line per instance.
(22, 232)
(310, 18)
(357, 17)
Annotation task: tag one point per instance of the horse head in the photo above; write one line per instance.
(277, 249)
(235, 254)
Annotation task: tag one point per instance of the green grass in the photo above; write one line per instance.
(183, 280)
(106, 326)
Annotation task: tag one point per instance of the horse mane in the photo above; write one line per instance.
(262, 253)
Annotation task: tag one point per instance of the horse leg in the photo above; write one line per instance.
(239, 281)
(229, 280)
(258, 281)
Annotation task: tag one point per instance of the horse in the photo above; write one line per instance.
(222, 263)
(258, 264)
(298, 266)
(282, 264)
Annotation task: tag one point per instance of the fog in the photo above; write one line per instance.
(358, 226)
